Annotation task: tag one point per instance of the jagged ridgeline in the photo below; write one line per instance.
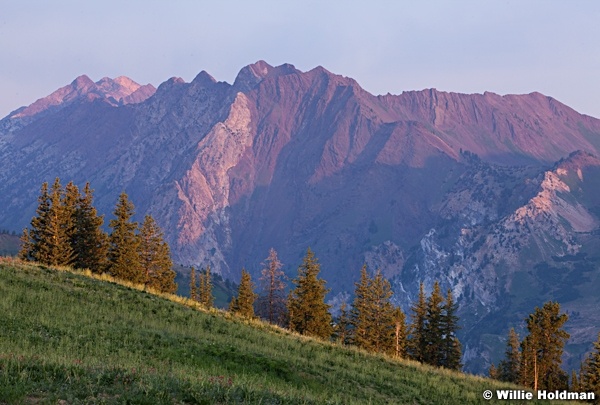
(496, 197)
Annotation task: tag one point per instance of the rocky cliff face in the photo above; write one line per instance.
(424, 185)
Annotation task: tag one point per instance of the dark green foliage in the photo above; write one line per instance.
(66, 230)
(49, 239)
(417, 345)
(434, 327)
(542, 349)
(433, 330)
(590, 375)
(123, 258)
(59, 227)
(243, 304)
(308, 312)
(272, 302)
(451, 349)
(155, 257)
(362, 311)
(35, 240)
(509, 369)
(90, 242)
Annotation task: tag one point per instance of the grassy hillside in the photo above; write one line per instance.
(68, 338)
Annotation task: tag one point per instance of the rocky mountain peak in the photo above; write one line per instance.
(253, 74)
(204, 78)
(82, 83)
(121, 90)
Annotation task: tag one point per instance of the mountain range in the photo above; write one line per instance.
(494, 196)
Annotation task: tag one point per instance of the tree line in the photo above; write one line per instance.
(372, 322)
(535, 361)
(67, 231)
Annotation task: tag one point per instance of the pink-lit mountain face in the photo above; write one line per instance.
(119, 91)
(424, 185)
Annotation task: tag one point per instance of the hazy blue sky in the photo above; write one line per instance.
(388, 46)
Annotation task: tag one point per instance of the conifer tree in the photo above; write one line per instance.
(373, 320)
(155, 257)
(384, 324)
(493, 372)
(574, 386)
(451, 350)
(400, 333)
(26, 251)
(341, 329)
(509, 368)
(49, 237)
(434, 327)
(417, 344)
(123, 258)
(362, 310)
(70, 205)
(35, 246)
(90, 242)
(193, 285)
(205, 295)
(272, 305)
(308, 312)
(243, 304)
(590, 375)
(542, 349)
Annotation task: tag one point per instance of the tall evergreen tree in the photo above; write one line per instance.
(272, 302)
(308, 312)
(373, 320)
(206, 297)
(90, 242)
(400, 333)
(417, 344)
(243, 304)
(70, 205)
(34, 241)
(193, 285)
(362, 310)
(542, 349)
(383, 321)
(509, 368)
(451, 350)
(590, 375)
(123, 258)
(155, 257)
(59, 228)
(434, 327)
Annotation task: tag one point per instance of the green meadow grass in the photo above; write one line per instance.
(68, 338)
